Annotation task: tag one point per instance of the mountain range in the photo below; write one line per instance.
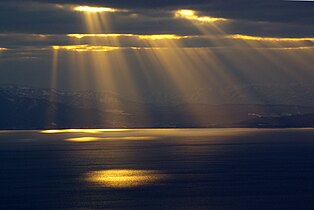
(24, 107)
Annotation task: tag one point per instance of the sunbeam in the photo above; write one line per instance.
(188, 67)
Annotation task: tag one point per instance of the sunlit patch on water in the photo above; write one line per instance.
(124, 178)
(83, 139)
(129, 138)
(81, 131)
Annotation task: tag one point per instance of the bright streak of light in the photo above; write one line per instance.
(80, 36)
(290, 48)
(273, 39)
(90, 131)
(177, 37)
(161, 37)
(94, 9)
(145, 37)
(128, 138)
(124, 178)
(86, 48)
(3, 49)
(53, 84)
(279, 48)
(94, 48)
(191, 15)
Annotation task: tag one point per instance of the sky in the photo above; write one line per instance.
(128, 47)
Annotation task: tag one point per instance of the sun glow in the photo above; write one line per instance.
(185, 13)
(191, 15)
(3, 49)
(124, 178)
(94, 9)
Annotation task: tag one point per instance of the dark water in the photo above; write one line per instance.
(158, 169)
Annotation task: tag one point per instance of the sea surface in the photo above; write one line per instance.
(157, 169)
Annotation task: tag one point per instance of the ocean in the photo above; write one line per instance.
(157, 169)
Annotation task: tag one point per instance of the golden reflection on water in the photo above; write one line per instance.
(124, 178)
(83, 139)
(128, 138)
(144, 134)
(81, 131)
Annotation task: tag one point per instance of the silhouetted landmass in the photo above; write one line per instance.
(26, 108)
(295, 121)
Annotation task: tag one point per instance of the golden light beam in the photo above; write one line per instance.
(97, 21)
(3, 49)
(96, 18)
(51, 113)
(215, 29)
(192, 15)
(177, 64)
(280, 52)
(184, 69)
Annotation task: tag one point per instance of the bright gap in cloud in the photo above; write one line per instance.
(94, 9)
(191, 15)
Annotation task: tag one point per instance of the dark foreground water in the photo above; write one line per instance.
(157, 169)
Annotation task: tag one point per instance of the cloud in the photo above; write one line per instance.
(42, 44)
(256, 18)
(267, 10)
